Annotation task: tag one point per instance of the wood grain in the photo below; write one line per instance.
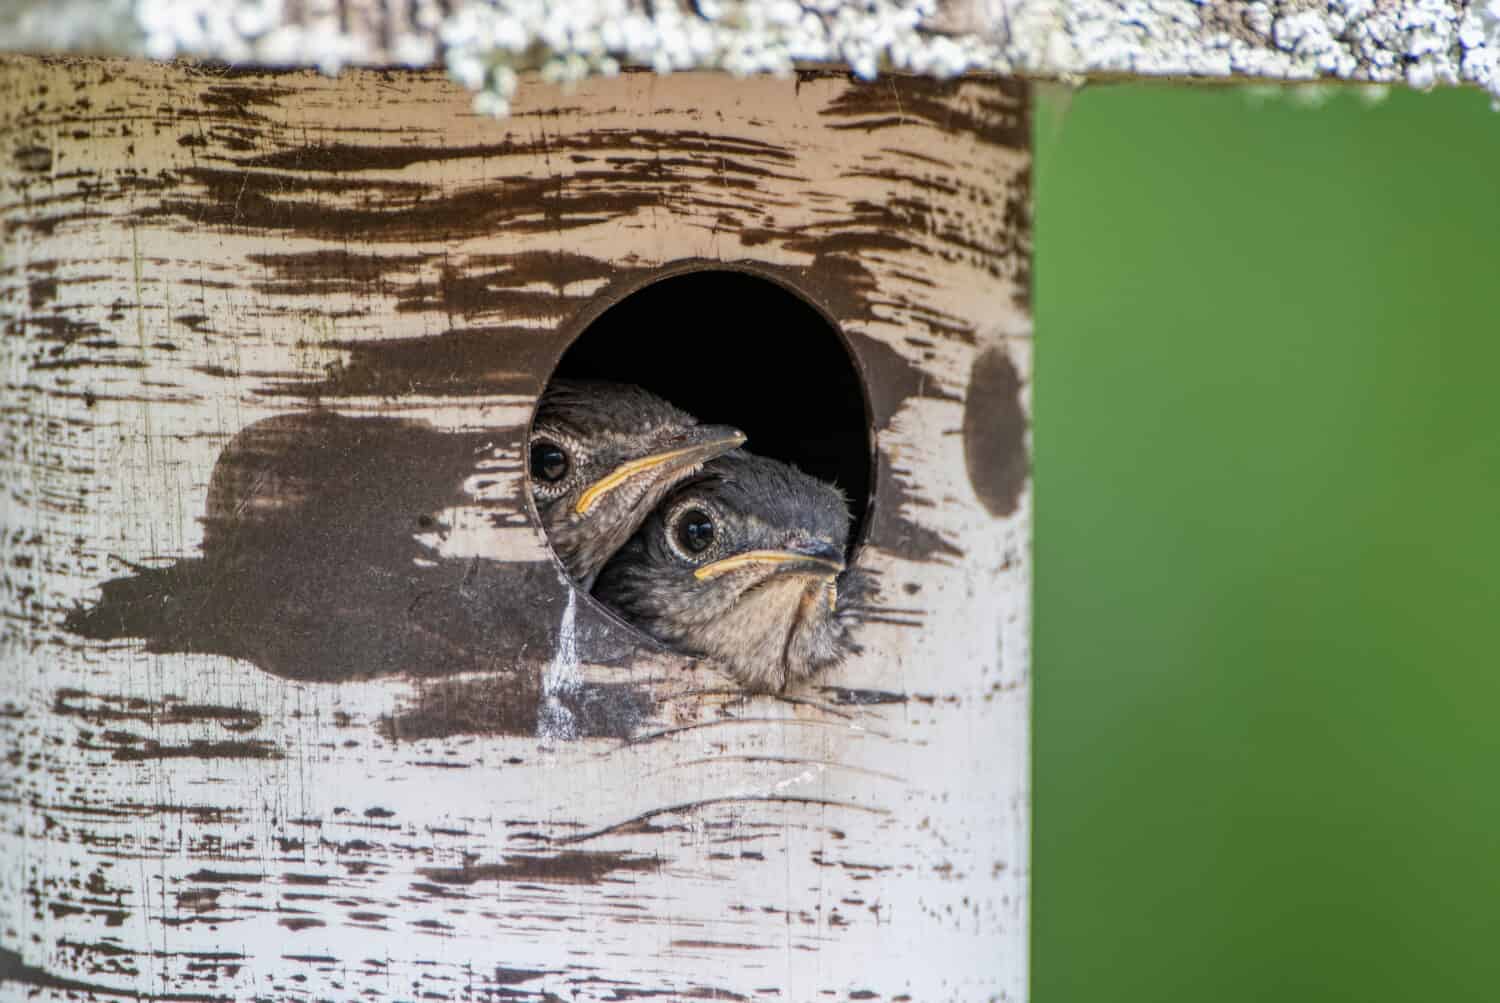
(296, 702)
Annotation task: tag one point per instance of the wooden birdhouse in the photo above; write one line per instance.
(299, 702)
(298, 698)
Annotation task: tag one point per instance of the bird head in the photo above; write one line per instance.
(744, 564)
(601, 456)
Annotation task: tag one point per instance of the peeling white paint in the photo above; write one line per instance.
(562, 678)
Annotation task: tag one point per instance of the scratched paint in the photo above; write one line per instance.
(288, 709)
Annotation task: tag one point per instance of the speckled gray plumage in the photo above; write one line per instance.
(601, 426)
(768, 626)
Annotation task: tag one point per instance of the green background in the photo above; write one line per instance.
(1267, 548)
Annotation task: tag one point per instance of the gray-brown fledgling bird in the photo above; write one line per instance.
(744, 564)
(602, 455)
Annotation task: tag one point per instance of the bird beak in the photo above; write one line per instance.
(704, 442)
(817, 559)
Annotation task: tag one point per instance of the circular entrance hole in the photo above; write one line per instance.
(733, 348)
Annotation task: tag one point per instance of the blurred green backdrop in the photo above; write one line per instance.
(1268, 548)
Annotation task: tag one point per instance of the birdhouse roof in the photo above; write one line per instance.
(486, 43)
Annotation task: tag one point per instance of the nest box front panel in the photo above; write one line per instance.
(292, 671)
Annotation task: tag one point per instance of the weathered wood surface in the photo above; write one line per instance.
(296, 703)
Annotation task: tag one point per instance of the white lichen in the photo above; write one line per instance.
(261, 32)
(487, 44)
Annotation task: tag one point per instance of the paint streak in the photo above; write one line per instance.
(319, 563)
(150, 749)
(14, 969)
(473, 361)
(846, 696)
(508, 704)
(32, 159)
(996, 115)
(569, 867)
(99, 708)
(994, 432)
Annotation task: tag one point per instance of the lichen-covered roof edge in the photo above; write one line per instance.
(486, 44)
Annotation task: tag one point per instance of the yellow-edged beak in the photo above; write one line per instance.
(685, 456)
(800, 562)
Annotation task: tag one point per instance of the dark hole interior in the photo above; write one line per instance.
(729, 347)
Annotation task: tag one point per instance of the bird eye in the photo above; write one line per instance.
(695, 531)
(548, 462)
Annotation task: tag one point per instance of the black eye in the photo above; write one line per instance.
(695, 531)
(548, 462)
